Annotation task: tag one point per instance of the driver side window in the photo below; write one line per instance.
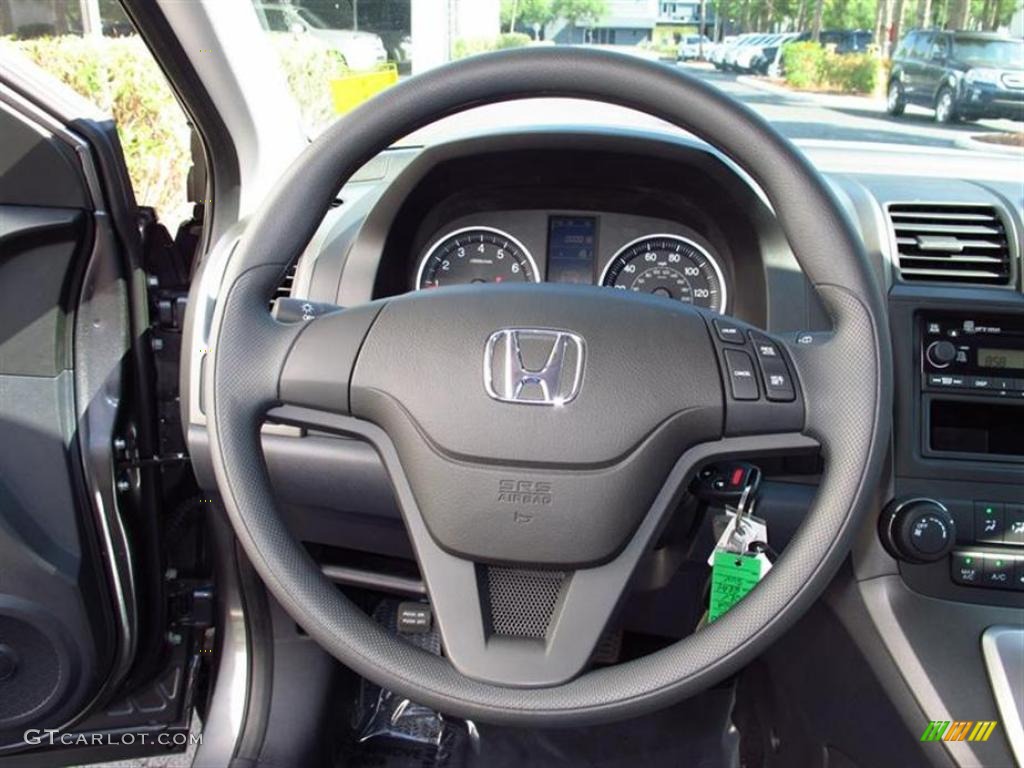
(106, 62)
(922, 46)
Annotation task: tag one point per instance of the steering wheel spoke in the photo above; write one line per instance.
(317, 371)
(517, 624)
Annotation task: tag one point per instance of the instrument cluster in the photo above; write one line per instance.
(677, 265)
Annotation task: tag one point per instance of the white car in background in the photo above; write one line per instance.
(721, 50)
(694, 47)
(747, 56)
(744, 50)
(360, 50)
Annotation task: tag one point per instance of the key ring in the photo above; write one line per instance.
(747, 503)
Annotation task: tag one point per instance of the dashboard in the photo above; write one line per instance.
(667, 215)
(595, 210)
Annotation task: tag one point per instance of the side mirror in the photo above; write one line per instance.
(298, 28)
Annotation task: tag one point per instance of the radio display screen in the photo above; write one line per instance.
(572, 244)
(990, 357)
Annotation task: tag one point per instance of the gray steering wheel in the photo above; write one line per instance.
(521, 606)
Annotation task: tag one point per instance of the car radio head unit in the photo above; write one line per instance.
(981, 355)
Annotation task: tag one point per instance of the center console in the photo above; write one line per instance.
(957, 521)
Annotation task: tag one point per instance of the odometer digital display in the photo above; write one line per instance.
(670, 266)
(572, 243)
(476, 255)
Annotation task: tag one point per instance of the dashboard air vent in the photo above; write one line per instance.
(950, 243)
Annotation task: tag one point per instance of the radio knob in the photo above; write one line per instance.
(918, 530)
(941, 353)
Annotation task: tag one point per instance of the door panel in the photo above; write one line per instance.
(61, 630)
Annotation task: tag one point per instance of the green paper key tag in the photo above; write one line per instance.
(732, 577)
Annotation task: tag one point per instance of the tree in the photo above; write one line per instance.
(959, 12)
(819, 9)
(897, 20)
(526, 14)
(577, 12)
(924, 14)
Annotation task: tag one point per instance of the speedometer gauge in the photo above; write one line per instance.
(670, 266)
(476, 255)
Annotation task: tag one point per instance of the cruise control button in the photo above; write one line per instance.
(998, 572)
(729, 332)
(741, 374)
(1014, 533)
(764, 346)
(777, 382)
(989, 522)
(967, 568)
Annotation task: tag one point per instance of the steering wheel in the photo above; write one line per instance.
(528, 519)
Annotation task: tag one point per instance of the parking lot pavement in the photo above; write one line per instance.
(847, 118)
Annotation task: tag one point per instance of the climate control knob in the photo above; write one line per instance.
(917, 530)
(940, 353)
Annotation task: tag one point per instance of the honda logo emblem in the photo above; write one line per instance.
(533, 366)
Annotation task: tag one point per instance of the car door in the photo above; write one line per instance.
(83, 592)
(934, 68)
(914, 68)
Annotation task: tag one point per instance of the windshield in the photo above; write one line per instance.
(1004, 54)
(819, 71)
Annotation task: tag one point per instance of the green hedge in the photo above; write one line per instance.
(120, 76)
(809, 66)
(471, 46)
(803, 64)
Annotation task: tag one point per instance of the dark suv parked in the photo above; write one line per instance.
(961, 75)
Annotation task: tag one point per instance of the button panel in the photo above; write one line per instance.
(992, 385)
(995, 570)
(778, 384)
(987, 522)
(762, 395)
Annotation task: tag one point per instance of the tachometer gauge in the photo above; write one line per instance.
(670, 266)
(476, 255)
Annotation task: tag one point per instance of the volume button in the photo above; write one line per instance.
(940, 353)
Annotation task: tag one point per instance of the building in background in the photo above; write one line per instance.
(681, 18)
(632, 22)
(627, 22)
